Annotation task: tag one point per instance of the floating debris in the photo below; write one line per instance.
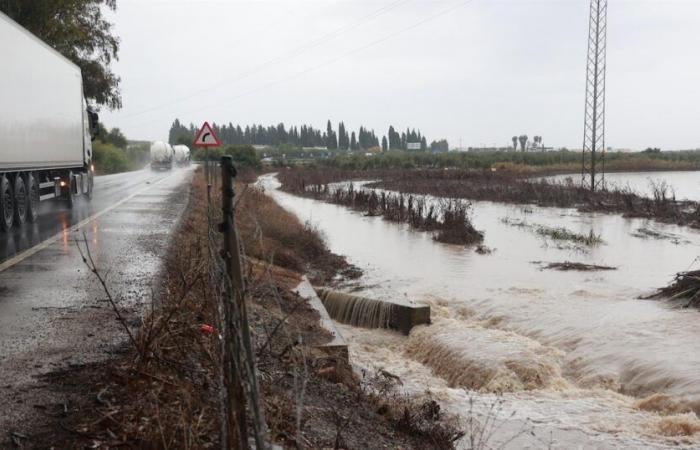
(484, 250)
(568, 265)
(646, 233)
(686, 286)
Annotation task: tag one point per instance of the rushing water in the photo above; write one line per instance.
(579, 357)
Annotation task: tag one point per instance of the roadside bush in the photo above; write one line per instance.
(139, 155)
(109, 159)
(243, 155)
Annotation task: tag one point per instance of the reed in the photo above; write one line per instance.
(449, 219)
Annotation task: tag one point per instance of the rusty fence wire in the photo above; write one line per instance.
(240, 394)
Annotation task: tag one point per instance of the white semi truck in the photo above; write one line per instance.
(182, 155)
(46, 128)
(161, 156)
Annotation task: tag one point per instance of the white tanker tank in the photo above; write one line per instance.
(182, 155)
(161, 156)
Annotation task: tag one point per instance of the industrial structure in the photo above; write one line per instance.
(593, 157)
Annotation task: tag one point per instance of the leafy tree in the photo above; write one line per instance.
(523, 141)
(331, 138)
(79, 30)
(441, 146)
(178, 130)
(116, 138)
(385, 144)
(244, 155)
(343, 139)
(394, 139)
(353, 142)
(515, 142)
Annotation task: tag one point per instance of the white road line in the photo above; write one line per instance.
(37, 248)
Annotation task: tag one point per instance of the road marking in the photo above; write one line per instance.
(42, 245)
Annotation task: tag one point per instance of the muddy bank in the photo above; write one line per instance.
(164, 391)
(507, 187)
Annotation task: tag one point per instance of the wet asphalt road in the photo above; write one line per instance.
(53, 312)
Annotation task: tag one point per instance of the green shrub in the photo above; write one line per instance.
(109, 159)
(138, 155)
(244, 156)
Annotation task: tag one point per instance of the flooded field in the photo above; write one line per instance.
(686, 185)
(580, 359)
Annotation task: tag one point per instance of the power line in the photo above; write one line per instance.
(301, 49)
(333, 60)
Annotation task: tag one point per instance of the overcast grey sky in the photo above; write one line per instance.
(480, 71)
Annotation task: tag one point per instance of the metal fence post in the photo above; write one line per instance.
(236, 407)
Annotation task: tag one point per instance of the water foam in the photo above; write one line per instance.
(483, 359)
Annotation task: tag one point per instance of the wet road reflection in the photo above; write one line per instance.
(55, 216)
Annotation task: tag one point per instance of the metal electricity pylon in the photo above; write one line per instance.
(593, 158)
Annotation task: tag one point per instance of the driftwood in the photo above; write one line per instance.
(686, 286)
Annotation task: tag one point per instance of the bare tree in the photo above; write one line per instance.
(515, 143)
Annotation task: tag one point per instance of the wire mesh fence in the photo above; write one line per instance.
(240, 394)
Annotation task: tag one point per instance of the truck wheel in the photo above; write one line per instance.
(70, 190)
(90, 184)
(32, 198)
(7, 207)
(20, 191)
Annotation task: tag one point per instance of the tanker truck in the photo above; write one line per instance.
(161, 156)
(182, 155)
(46, 128)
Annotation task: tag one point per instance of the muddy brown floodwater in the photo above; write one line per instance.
(579, 360)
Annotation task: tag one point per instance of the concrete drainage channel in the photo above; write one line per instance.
(361, 312)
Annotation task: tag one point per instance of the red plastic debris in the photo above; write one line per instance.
(208, 329)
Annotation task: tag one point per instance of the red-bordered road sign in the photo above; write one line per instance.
(206, 137)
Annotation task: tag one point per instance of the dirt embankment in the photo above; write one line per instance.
(163, 392)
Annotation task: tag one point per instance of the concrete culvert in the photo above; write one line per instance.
(370, 313)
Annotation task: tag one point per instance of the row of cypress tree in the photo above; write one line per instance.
(303, 136)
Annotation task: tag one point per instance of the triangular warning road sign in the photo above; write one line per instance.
(205, 137)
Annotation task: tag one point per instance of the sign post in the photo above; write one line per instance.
(206, 138)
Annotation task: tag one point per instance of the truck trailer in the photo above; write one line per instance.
(161, 156)
(182, 155)
(46, 128)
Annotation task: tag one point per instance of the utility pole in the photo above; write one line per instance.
(593, 157)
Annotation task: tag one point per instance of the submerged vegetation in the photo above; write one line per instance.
(447, 218)
(685, 286)
(557, 233)
(563, 234)
(509, 187)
